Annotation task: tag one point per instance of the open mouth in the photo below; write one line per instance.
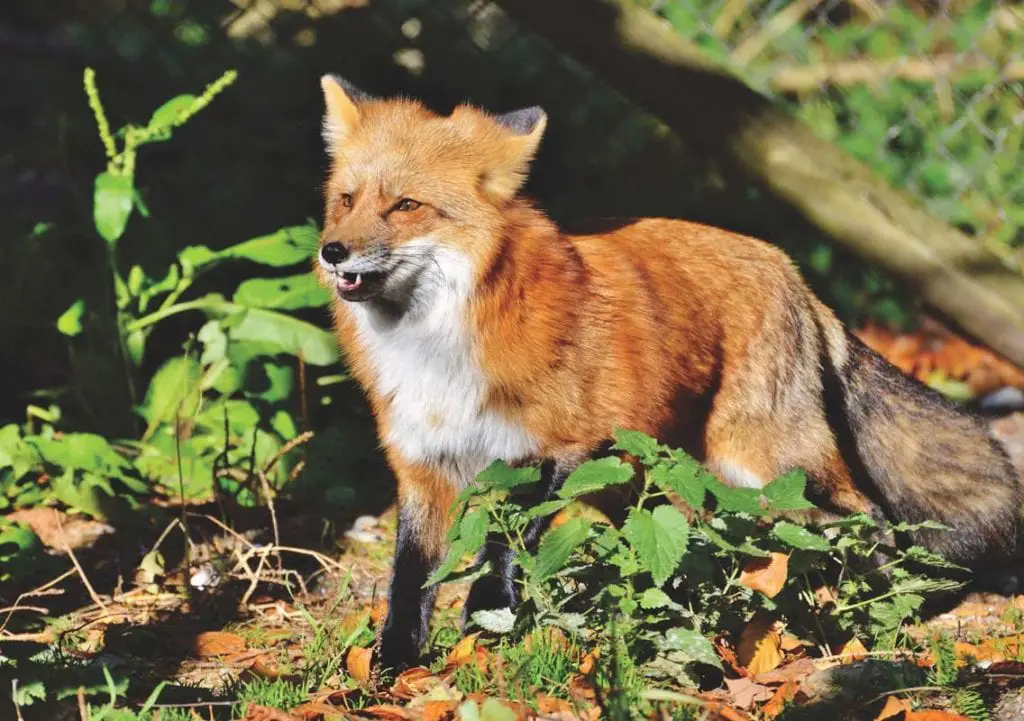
(360, 286)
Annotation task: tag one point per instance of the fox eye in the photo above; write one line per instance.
(407, 204)
(346, 199)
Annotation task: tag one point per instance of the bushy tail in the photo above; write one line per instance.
(930, 459)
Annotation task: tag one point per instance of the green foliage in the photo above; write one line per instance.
(664, 582)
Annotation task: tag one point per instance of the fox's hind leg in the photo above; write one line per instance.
(499, 588)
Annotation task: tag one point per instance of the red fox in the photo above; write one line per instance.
(480, 331)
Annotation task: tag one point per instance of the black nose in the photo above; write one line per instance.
(334, 253)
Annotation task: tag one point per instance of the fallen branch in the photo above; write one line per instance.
(802, 78)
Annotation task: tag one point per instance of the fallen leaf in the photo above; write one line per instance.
(795, 671)
(558, 709)
(760, 646)
(852, 650)
(745, 693)
(786, 693)
(413, 682)
(589, 662)
(379, 612)
(825, 595)
(318, 711)
(463, 651)
(792, 643)
(263, 713)
(217, 643)
(358, 663)
(893, 707)
(767, 575)
(386, 712)
(438, 710)
(581, 689)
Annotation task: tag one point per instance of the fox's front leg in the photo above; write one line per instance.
(499, 588)
(424, 503)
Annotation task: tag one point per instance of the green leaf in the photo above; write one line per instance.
(195, 256)
(166, 115)
(173, 391)
(594, 475)
(799, 537)
(456, 552)
(112, 205)
(86, 451)
(28, 692)
(285, 247)
(279, 382)
(15, 452)
(655, 598)
(473, 529)
(286, 334)
(659, 539)
(635, 443)
(295, 291)
(786, 493)
(558, 545)
(547, 508)
(500, 476)
(135, 344)
(18, 546)
(736, 500)
(693, 644)
(70, 321)
(685, 478)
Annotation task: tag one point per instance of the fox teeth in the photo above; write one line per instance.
(359, 278)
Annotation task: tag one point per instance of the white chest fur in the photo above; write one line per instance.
(426, 368)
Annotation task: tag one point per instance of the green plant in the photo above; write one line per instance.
(665, 583)
(946, 675)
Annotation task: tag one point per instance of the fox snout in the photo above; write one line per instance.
(358, 274)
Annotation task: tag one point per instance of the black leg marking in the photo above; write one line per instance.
(499, 588)
(410, 605)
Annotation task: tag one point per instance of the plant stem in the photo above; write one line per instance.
(161, 313)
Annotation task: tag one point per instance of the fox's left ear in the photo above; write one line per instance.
(524, 130)
(342, 99)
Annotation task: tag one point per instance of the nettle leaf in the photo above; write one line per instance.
(594, 475)
(736, 500)
(558, 545)
(659, 539)
(294, 291)
(799, 537)
(285, 334)
(685, 478)
(15, 452)
(636, 444)
(655, 598)
(112, 205)
(287, 246)
(70, 321)
(167, 114)
(28, 692)
(500, 476)
(500, 620)
(786, 493)
(86, 451)
(173, 391)
(546, 509)
(196, 256)
(18, 545)
(692, 644)
(473, 529)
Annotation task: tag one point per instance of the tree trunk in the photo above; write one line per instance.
(642, 57)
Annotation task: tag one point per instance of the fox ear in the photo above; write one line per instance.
(341, 98)
(524, 130)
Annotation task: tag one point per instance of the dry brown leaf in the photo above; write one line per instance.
(379, 612)
(413, 682)
(386, 712)
(589, 662)
(581, 689)
(558, 708)
(760, 646)
(786, 693)
(852, 650)
(825, 595)
(438, 710)
(728, 656)
(217, 643)
(745, 693)
(795, 671)
(462, 652)
(893, 707)
(358, 663)
(553, 637)
(318, 711)
(264, 713)
(767, 575)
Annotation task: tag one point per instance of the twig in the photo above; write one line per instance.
(270, 506)
(43, 590)
(286, 448)
(895, 691)
(83, 710)
(74, 559)
(12, 609)
(225, 527)
(727, 19)
(44, 637)
(776, 26)
(801, 78)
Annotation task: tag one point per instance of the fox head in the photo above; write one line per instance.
(412, 194)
